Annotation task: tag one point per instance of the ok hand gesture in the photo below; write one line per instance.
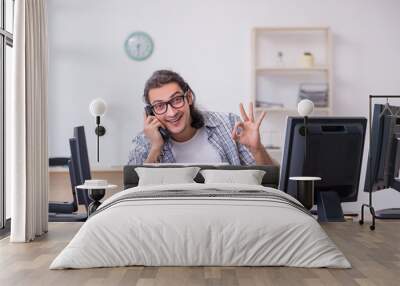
(247, 132)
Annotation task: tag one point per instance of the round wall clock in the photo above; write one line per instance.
(139, 46)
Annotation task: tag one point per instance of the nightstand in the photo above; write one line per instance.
(305, 190)
(96, 194)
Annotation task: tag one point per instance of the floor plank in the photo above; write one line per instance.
(375, 257)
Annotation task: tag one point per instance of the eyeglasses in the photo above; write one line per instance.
(176, 102)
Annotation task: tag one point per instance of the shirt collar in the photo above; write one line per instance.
(209, 121)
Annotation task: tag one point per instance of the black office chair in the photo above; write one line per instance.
(63, 207)
(79, 171)
(83, 165)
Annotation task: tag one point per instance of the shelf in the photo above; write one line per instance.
(279, 70)
(291, 29)
(273, 150)
(292, 70)
(289, 110)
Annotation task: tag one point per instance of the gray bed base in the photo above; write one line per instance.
(270, 179)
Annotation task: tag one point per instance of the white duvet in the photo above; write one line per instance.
(200, 231)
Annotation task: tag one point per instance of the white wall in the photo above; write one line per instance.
(208, 42)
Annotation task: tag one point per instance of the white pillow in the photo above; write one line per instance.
(164, 176)
(249, 177)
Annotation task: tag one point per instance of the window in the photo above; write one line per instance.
(6, 62)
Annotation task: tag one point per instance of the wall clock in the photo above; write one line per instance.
(139, 46)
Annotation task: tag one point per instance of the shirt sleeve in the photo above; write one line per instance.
(139, 150)
(245, 156)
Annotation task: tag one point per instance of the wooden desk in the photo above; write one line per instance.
(60, 185)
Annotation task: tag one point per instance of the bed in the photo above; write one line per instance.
(201, 224)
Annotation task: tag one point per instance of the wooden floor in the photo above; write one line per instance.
(375, 257)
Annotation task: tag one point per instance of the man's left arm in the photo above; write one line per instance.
(261, 156)
(247, 133)
(255, 156)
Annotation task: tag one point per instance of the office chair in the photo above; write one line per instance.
(83, 167)
(67, 211)
(62, 207)
(79, 171)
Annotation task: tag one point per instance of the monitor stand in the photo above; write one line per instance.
(329, 208)
(393, 213)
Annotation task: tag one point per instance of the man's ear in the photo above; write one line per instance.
(190, 97)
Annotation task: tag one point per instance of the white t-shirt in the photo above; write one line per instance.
(196, 150)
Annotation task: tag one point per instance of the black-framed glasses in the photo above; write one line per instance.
(176, 102)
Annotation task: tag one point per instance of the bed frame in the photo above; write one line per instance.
(270, 179)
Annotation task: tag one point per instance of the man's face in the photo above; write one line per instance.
(176, 120)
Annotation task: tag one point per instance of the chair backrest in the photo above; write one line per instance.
(84, 165)
(79, 154)
(72, 176)
(74, 173)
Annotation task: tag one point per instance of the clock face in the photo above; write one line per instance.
(139, 46)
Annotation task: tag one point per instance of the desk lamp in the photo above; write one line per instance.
(305, 185)
(98, 108)
(305, 108)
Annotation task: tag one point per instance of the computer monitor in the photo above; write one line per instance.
(334, 152)
(384, 154)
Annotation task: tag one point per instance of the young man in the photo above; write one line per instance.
(193, 136)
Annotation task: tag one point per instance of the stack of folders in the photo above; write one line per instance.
(316, 92)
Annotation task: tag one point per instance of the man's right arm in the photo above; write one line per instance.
(139, 150)
(147, 146)
(154, 156)
(152, 133)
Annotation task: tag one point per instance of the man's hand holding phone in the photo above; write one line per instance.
(151, 131)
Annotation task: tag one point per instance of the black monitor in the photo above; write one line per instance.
(384, 154)
(334, 152)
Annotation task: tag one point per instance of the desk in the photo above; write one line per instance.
(60, 186)
(94, 169)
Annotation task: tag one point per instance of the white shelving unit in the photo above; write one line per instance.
(277, 72)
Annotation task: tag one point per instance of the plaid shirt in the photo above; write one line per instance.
(218, 126)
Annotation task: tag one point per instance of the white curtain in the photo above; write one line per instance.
(28, 123)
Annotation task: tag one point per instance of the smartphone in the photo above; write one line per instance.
(164, 132)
